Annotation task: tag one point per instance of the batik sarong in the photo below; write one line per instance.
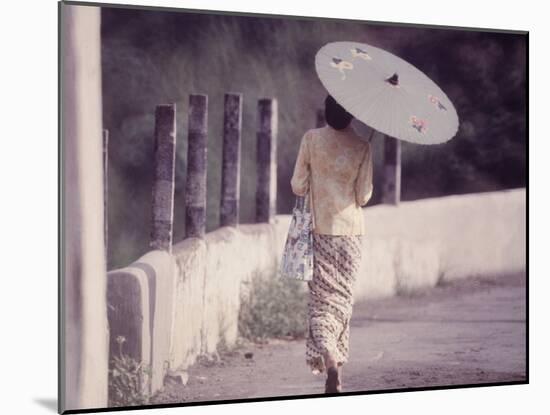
(336, 263)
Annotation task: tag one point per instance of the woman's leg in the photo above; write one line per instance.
(330, 305)
(330, 360)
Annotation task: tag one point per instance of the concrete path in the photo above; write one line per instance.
(469, 331)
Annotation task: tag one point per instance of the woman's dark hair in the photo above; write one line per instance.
(335, 115)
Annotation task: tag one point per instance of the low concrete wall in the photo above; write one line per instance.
(419, 243)
(191, 298)
(182, 305)
(210, 277)
(141, 308)
(187, 331)
(128, 311)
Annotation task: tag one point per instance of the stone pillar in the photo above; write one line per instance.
(391, 186)
(266, 191)
(320, 118)
(163, 187)
(83, 312)
(195, 186)
(231, 162)
(106, 193)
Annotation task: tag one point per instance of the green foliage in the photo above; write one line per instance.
(127, 380)
(273, 307)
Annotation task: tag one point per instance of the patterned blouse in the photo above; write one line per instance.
(337, 165)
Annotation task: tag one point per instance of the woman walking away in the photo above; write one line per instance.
(334, 168)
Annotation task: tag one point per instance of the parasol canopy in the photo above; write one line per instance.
(386, 93)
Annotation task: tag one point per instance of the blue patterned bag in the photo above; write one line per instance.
(297, 260)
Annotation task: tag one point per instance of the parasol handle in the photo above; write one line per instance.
(371, 134)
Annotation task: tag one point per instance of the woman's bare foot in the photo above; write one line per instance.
(332, 384)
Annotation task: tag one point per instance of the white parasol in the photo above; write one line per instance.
(386, 93)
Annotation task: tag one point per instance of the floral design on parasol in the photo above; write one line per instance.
(386, 93)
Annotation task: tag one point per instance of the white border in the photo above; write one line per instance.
(28, 106)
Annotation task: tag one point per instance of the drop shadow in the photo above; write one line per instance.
(48, 403)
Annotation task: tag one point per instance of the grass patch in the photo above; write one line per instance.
(272, 307)
(128, 380)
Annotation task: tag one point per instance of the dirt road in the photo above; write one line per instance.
(470, 331)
